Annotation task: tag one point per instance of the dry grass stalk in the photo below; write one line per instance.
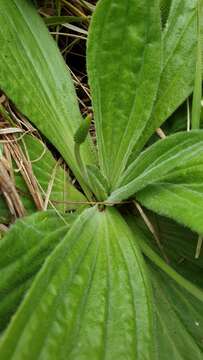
(50, 185)
(151, 229)
(199, 246)
(9, 192)
(25, 168)
(3, 228)
(160, 133)
(8, 158)
(10, 130)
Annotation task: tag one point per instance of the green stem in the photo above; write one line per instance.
(78, 158)
(83, 170)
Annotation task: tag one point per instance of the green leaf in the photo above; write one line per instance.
(177, 153)
(23, 250)
(177, 201)
(178, 66)
(179, 243)
(34, 75)
(75, 308)
(98, 182)
(82, 131)
(177, 303)
(179, 317)
(177, 78)
(124, 64)
(166, 268)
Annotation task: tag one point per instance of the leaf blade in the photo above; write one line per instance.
(85, 330)
(21, 259)
(118, 82)
(38, 80)
(177, 75)
(181, 316)
(188, 203)
(177, 152)
(177, 301)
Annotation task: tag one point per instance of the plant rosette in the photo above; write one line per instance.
(98, 286)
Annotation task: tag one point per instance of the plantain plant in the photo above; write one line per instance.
(108, 283)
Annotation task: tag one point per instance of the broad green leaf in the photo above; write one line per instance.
(178, 66)
(177, 303)
(179, 323)
(124, 63)
(22, 252)
(180, 202)
(179, 243)
(91, 299)
(35, 77)
(186, 316)
(166, 268)
(177, 153)
(63, 196)
(179, 55)
(151, 250)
